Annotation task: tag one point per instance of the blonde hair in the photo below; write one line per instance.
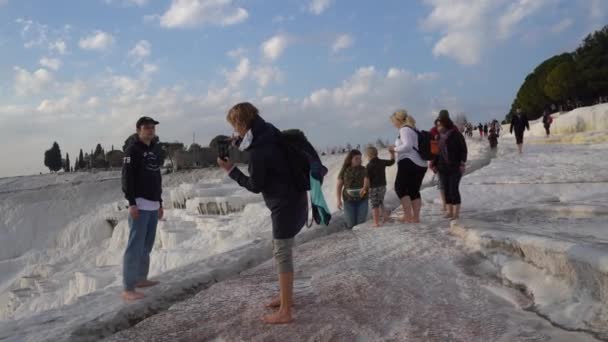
(242, 114)
(402, 118)
(371, 151)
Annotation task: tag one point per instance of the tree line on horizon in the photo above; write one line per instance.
(566, 81)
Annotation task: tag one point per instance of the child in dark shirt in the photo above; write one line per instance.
(376, 171)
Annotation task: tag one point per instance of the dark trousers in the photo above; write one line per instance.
(409, 179)
(451, 184)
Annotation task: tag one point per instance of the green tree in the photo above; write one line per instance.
(52, 158)
(591, 59)
(67, 165)
(562, 82)
(81, 162)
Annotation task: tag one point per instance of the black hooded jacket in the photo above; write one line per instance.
(519, 123)
(141, 175)
(269, 174)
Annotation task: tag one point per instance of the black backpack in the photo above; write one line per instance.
(424, 145)
(303, 159)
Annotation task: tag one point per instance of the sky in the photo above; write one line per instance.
(82, 72)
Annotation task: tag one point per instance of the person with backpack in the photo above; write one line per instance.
(353, 189)
(547, 121)
(411, 167)
(450, 163)
(270, 174)
(435, 136)
(142, 186)
(376, 171)
(519, 123)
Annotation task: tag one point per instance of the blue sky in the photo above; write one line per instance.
(81, 72)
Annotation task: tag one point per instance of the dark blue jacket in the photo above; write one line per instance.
(269, 174)
(141, 175)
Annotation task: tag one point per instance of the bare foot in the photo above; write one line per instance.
(415, 220)
(278, 318)
(406, 220)
(276, 303)
(448, 216)
(130, 296)
(147, 283)
(377, 225)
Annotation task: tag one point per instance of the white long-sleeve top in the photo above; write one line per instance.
(406, 146)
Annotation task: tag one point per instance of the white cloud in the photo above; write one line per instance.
(34, 33)
(93, 102)
(264, 75)
(468, 28)
(60, 46)
(127, 86)
(343, 41)
(193, 13)
(236, 53)
(140, 51)
(319, 6)
(274, 47)
(31, 83)
(516, 12)
(240, 73)
(98, 41)
(50, 63)
(562, 26)
(149, 69)
(51, 106)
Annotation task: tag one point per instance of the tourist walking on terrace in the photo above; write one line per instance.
(352, 189)
(411, 168)
(450, 163)
(519, 123)
(269, 174)
(376, 171)
(547, 121)
(142, 186)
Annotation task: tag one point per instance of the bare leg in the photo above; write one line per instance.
(443, 201)
(450, 212)
(283, 316)
(520, 148)
(416, 205)
(406, 203)
(456, 211)
(386, 214)
(376, 215)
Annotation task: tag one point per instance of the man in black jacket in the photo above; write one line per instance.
(271, 175)
(519, 123)
(142, 186)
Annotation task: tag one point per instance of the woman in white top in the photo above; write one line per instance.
(411, 168)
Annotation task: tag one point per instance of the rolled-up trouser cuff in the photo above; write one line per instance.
(283, 254)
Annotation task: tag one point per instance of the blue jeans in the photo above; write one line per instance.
(136, 261)
(355, 212)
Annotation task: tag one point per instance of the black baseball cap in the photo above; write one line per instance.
(145, 120)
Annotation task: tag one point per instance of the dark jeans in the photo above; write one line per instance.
(355, 212)
(409, 179)
(451, 184)
(548, 129)
(136, 263)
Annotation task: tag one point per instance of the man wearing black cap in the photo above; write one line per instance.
(142, 186)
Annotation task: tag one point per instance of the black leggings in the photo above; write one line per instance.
(548, 129)
(409, 179)
(451, 183)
